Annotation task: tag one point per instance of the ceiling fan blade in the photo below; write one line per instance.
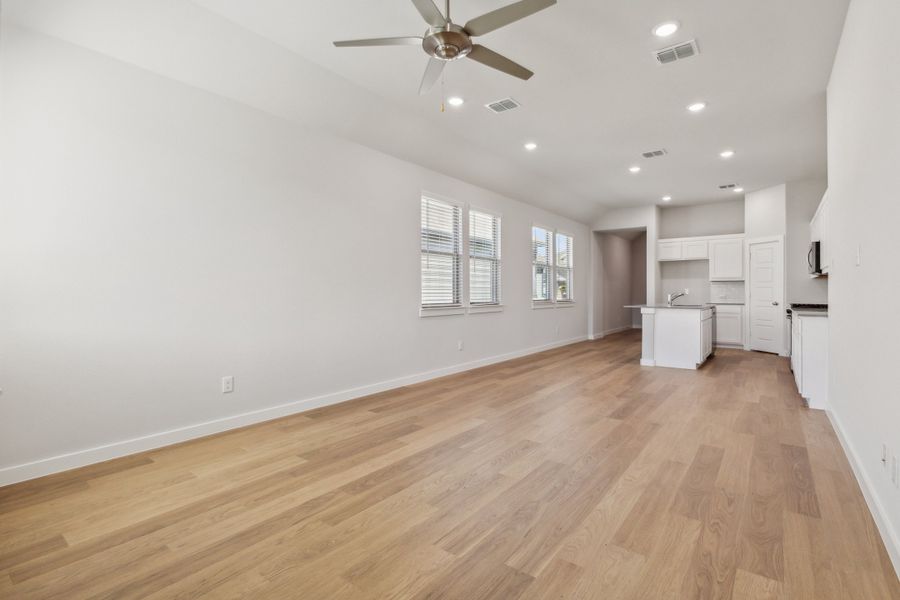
(430, 12)
(493, 60)
(504, 16)
(390, 41)
(432, 74)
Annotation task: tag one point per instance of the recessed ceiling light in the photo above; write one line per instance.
(665, 29)
(696, 107)
(530, 146)
(455, 101)
(635, 169)
(726, 153)
(738, 190)
(666, 198)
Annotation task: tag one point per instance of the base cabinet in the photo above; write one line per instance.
(729, 325)
(809, 358)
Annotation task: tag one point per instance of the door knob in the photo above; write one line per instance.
(775, 303)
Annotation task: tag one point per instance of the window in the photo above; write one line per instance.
(542, 263)
(563, 267)
(484, 258)
(551, 266)
(441, 248)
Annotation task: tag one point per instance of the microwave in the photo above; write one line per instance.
(814, 258)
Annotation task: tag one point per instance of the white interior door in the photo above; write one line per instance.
(767, 296)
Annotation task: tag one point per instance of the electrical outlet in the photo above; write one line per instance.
(459, 345)
(228, 384)
(557, 330)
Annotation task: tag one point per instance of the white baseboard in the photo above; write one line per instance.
(648, 363)
(89, 456)
(603, 334)
(890, 537)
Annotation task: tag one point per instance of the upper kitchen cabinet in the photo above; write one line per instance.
(726, 259)
(682, 249)
(670, 250)
(818, 232)
(695, 250)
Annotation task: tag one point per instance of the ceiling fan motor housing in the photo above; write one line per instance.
(447, 43)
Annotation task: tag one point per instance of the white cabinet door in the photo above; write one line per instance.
(726, 260)
(669, 250)
(695, 250)
(706, 336)
(730, 325)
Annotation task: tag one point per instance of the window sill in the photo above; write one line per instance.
(442, 311)
(541, 305)
(485, 308)
(559, 304)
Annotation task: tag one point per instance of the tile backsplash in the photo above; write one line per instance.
(726, 291)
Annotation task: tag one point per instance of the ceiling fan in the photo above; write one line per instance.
(445, 40)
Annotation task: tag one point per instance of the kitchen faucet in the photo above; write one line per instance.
(671, 298)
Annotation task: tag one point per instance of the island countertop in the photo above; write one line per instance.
(679, 306)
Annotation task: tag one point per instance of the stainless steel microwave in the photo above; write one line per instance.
(814, 258)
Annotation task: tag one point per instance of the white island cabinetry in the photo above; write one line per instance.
(679, 337)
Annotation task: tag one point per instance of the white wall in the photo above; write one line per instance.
(717, 218)
(615, 253)
(863, 176)
(802, 199)
(640, 217)
(156, 237)
(765, 212)
(638, 276)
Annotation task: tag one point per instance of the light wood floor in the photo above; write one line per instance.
(569, 474)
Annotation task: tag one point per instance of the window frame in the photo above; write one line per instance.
(570, 268)
(456, 307)
(465, 305)
(553, 302)
(499, 260)
(551, 261)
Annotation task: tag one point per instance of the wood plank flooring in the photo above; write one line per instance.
(573, 473)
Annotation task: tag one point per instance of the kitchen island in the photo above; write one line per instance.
(676, 336)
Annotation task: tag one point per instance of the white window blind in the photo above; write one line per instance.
(564, 267)
(441, 253)
(542, 263)
(484, 258)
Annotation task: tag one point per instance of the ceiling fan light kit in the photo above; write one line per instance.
(445, 41)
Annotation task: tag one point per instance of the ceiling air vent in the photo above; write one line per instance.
(502, 106)
(728, 186)
(654, 153)
(677, 52)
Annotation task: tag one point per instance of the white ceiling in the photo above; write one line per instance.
(596, 102)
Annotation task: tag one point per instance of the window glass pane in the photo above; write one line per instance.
(563, 250)
(563, 284)
(541, 282)
(540, 245)
(484, 281)
(441, 227)
(484, 235)
(484, 261)
(441, 248)
(439, 279)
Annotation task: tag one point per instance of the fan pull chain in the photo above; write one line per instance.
(443, 95)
